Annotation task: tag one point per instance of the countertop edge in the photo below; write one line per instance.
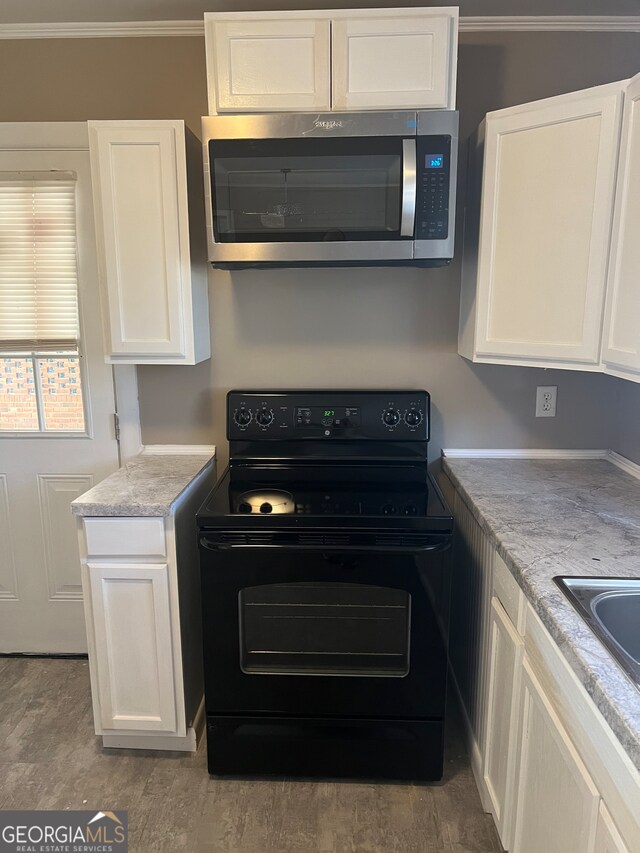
(143, 509)
(611, 710)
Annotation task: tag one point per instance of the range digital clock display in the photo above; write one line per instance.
(324, 417)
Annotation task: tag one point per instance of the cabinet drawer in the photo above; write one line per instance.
(126, 537)
(508, 593)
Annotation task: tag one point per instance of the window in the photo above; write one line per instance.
(39, 320)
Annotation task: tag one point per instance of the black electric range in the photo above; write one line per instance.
(325, 588)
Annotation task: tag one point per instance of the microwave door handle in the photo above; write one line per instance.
(408, 212)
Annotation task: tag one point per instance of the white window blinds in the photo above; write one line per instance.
(38, 262)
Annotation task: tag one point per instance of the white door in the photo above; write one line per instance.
(557, 806)
(621, 346)
(608, 838)
(547, 204)
(276, 63)
(132, 611)
(390, 62)
(505, 663)
(56, 409)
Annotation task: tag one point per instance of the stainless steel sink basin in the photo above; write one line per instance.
(611, 608)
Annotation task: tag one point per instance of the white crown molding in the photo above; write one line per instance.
(102, 29)
(179, 450)
(551, 23)
(469, 24)
(626, 464)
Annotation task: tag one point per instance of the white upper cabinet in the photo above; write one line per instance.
(538, 230)
(395, 59)
(276, 62)
(150, 241)
(354, 59)
(621, 344)
(608, 838)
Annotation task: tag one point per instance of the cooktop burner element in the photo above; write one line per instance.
(266, 502)
(325, 572)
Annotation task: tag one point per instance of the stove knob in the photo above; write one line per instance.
(391, 417)
(413, 417)
(242, 417)
(264, 417)
(244, 507)
(410, 509)
(265, 507)
(388, 509)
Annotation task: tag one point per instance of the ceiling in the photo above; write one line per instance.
(41, 11)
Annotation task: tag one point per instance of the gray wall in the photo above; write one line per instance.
(370, 327)
(625, 416)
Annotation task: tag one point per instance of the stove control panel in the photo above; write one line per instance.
(351, 415)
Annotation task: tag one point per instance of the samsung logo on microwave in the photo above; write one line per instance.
(328, 123)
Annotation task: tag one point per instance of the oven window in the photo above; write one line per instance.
(339, 189)
(324, 629)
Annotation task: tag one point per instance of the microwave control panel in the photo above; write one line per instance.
(433, 180)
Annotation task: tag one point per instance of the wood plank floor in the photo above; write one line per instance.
(50, 759)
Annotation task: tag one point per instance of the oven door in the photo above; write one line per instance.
(324, 632)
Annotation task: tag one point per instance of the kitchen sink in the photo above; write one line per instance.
(611, 608)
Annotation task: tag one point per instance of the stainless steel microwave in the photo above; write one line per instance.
(336, 189)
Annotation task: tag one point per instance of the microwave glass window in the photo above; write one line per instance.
(264, 190)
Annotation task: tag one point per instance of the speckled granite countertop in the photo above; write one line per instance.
(564, 517)
(150, 484)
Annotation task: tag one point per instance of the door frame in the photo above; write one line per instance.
(74, 136)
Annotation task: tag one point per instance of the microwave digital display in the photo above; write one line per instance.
(434, 161)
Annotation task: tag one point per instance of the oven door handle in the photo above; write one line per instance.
(408, 214)
(217, 545)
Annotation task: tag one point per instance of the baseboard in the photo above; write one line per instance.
(523, 453)
(179, 450)
(625, 464)
(188, 743)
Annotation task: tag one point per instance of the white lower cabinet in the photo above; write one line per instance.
(141, 590)
(547, 765)
(132, 624)
(608, 838)
(505, 662)
(557, 802)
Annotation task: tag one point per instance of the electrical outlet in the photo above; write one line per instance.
(546, 399)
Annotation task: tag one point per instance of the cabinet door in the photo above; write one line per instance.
(547, 202)
(501, 744)
(140, 199)
(134, 667)
(608, 838)
(621, 348)
(557, 806)
(278, 63)
(391, 61)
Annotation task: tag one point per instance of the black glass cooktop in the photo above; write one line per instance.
(257, 497)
